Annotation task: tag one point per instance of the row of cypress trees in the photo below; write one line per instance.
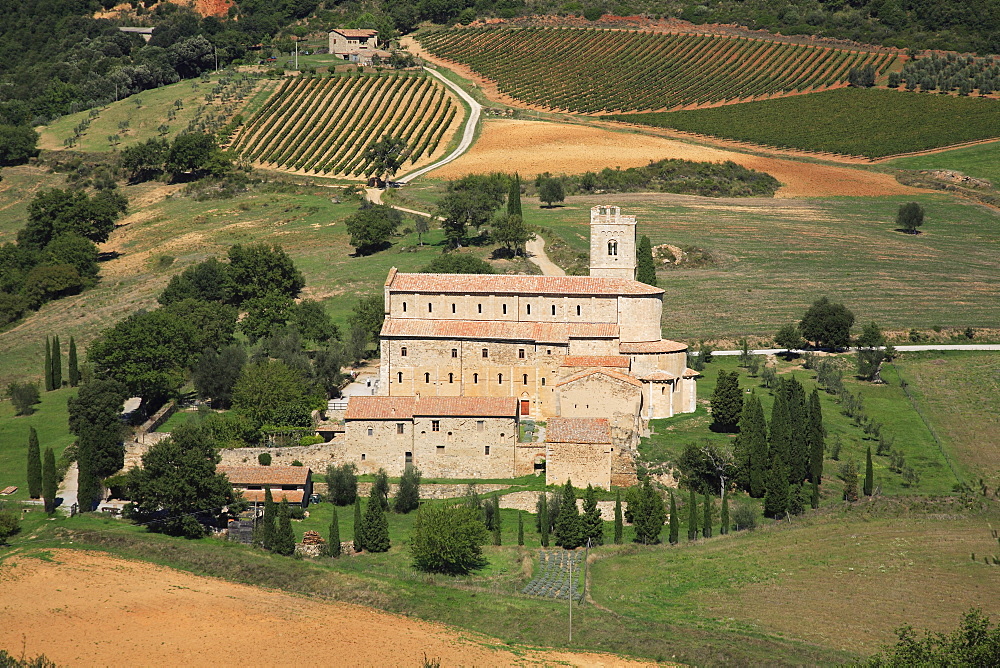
(53, 364)
(274, 531)
(41, 474)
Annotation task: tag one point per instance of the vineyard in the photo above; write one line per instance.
(597, 71)
(868, 122)
(321, 125)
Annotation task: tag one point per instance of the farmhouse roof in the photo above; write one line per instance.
(257, 495)
(351, 32)
(396, 408)
(265, 475)
(657, 376)
(467, 284)
(661, 346)
(578, 430)
(596, 360)
(555, 332)
(691, 373)
(611, 373)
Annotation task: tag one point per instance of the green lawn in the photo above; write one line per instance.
(981, 161)
(50, 420)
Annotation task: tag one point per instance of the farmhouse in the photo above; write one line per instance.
(357, 46)
(293, 483)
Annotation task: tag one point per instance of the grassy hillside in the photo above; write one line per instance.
(49, 420)
(868, 122)
(981, 161)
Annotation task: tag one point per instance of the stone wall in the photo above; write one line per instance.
(317, 457)
(583, 463)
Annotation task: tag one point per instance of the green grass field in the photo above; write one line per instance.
(981, 161)
(870, 122)
(50, 420)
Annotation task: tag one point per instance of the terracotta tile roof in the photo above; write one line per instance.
(691, 373)
(257, 495)
(509, 284)
(350, 32)
(656, 375)
(602, 360)
(265, 475)
(558, 332)
(578, 430)
(396, 408)
(607, 372)
(661, 346)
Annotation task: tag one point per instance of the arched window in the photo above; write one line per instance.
(427, 378)
(553, 309)
(500, 378)
(404, 307)
(524, 379)
(399, 377)
(452, 308)
(612, 247)
(430, 307)
(402, 351)
(578, 310)
(451, 378)
(475, 378)
(505, 309)
(543, 382)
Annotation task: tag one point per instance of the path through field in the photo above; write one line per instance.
(88, 608)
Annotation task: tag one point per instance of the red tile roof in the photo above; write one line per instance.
(611, 373)
(661, 346)
(257, 495)
(578, 430)
(350, 32)
(601, 360)
(395, 408)
(265, 475)
(691, 373)
(656, 375)
(558, 332)
(467, 284)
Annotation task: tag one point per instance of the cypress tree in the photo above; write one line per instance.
(756, 445)
(74, 368)
(34, 465)
(543, 520)
(817, 437)
(727, 402)
(56, 364)
(359, 543)
(268, 532)
(869, 473)
(520, 528)
(497, 521)
(814, 497)
(780, 436)
(724, 516)
(675, 522)
(645, 269)
(692, 516)
(49, 480)
(88, 489)
(593, 524)
(619, 525)
(569, 530)
(514, 197)
(706, 525)
(799, 455)
(374, 524)
(284, 539)
(796, 504)
(333, 544)
(776, 491)
(48, 366)
(408, 493)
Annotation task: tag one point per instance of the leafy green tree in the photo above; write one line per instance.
(94, 417)
(55, 212)
(408, 495)
(34, 465)
(74, 366)
(313, 322)
(332, 547)
(724, 515)
(46, 283)
(789, 337)
(375, 524)
(470, 202)
(380, 488)
(827, 324)
(569, 530)
(976, 642)
(648, 514)
(206, 281)
(75, 251)
(776, 489)
(619, 523)
(550, 191)
(645, 271)
(144, 161)
(870, 363)
(706, 524)
(10, 524)
(871, 336)
(269, 393)
(359, 539)
(511, 232)
(385, 156)
(368, 316)
(798, 448)
(23, 396)
(342, 482)
(216, 372)
(514, 197)
(448, 539)
(48, 366)
(422, 226)
(520, 528)
(593, 524)
(56, 363)
(256, 270)
(284, 541)
(196, 154)
(910, 217)
(458, 263)
(17, 144)
(49, 480)
(869, 473)
(727, 402)
(372, 226)
(692, 516)
(178, 478)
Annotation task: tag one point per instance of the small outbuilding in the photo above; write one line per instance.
(292, 483)
(580, 450)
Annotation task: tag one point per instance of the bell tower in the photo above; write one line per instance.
(612, 243)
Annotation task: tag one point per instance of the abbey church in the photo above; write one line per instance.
(581, 353)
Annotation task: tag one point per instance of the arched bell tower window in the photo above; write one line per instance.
(612, 247)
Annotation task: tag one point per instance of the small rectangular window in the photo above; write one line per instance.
(505, 309)
(553, 309)
(480, 425)
(520, 353)
(486, 352)
(486, 450)
(371, 432)
(480, 306)
(404, 307)
(452, 308)
(543, 382)
(430, 307)
(435, 425)
(578, 310)
(399, 376)
(440, 448)
(402, 351)
(528, 309)
(399, 427)
(362, 456)
(454, 352)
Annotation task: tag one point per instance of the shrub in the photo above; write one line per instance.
(342, 483)
(745, 516)
(23, 396)
(310, 440)
(296, 462)
(10, 524)
(448, 539)
(264, 459)
(296, 512)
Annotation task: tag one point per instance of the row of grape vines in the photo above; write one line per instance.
(598, 71)
(322, 125)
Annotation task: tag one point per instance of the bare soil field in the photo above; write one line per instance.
(87, 608)
(533, 147)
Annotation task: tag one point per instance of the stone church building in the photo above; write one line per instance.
(558, 346)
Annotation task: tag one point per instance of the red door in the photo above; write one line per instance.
(525, 403)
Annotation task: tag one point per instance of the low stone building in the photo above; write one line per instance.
(292, 483)
(580, 450)
(357, 45)
(444, 437)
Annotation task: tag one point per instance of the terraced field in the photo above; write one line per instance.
(322, 125)
(598, 71)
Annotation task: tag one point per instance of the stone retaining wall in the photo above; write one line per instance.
(317, 457)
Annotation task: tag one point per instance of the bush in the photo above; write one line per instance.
(296, 462)
(296, 512)
(10, 524)
(264, 459)
(342, 483)
(310, 440)
(448, 539)
(24, 396)
(745, 516)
